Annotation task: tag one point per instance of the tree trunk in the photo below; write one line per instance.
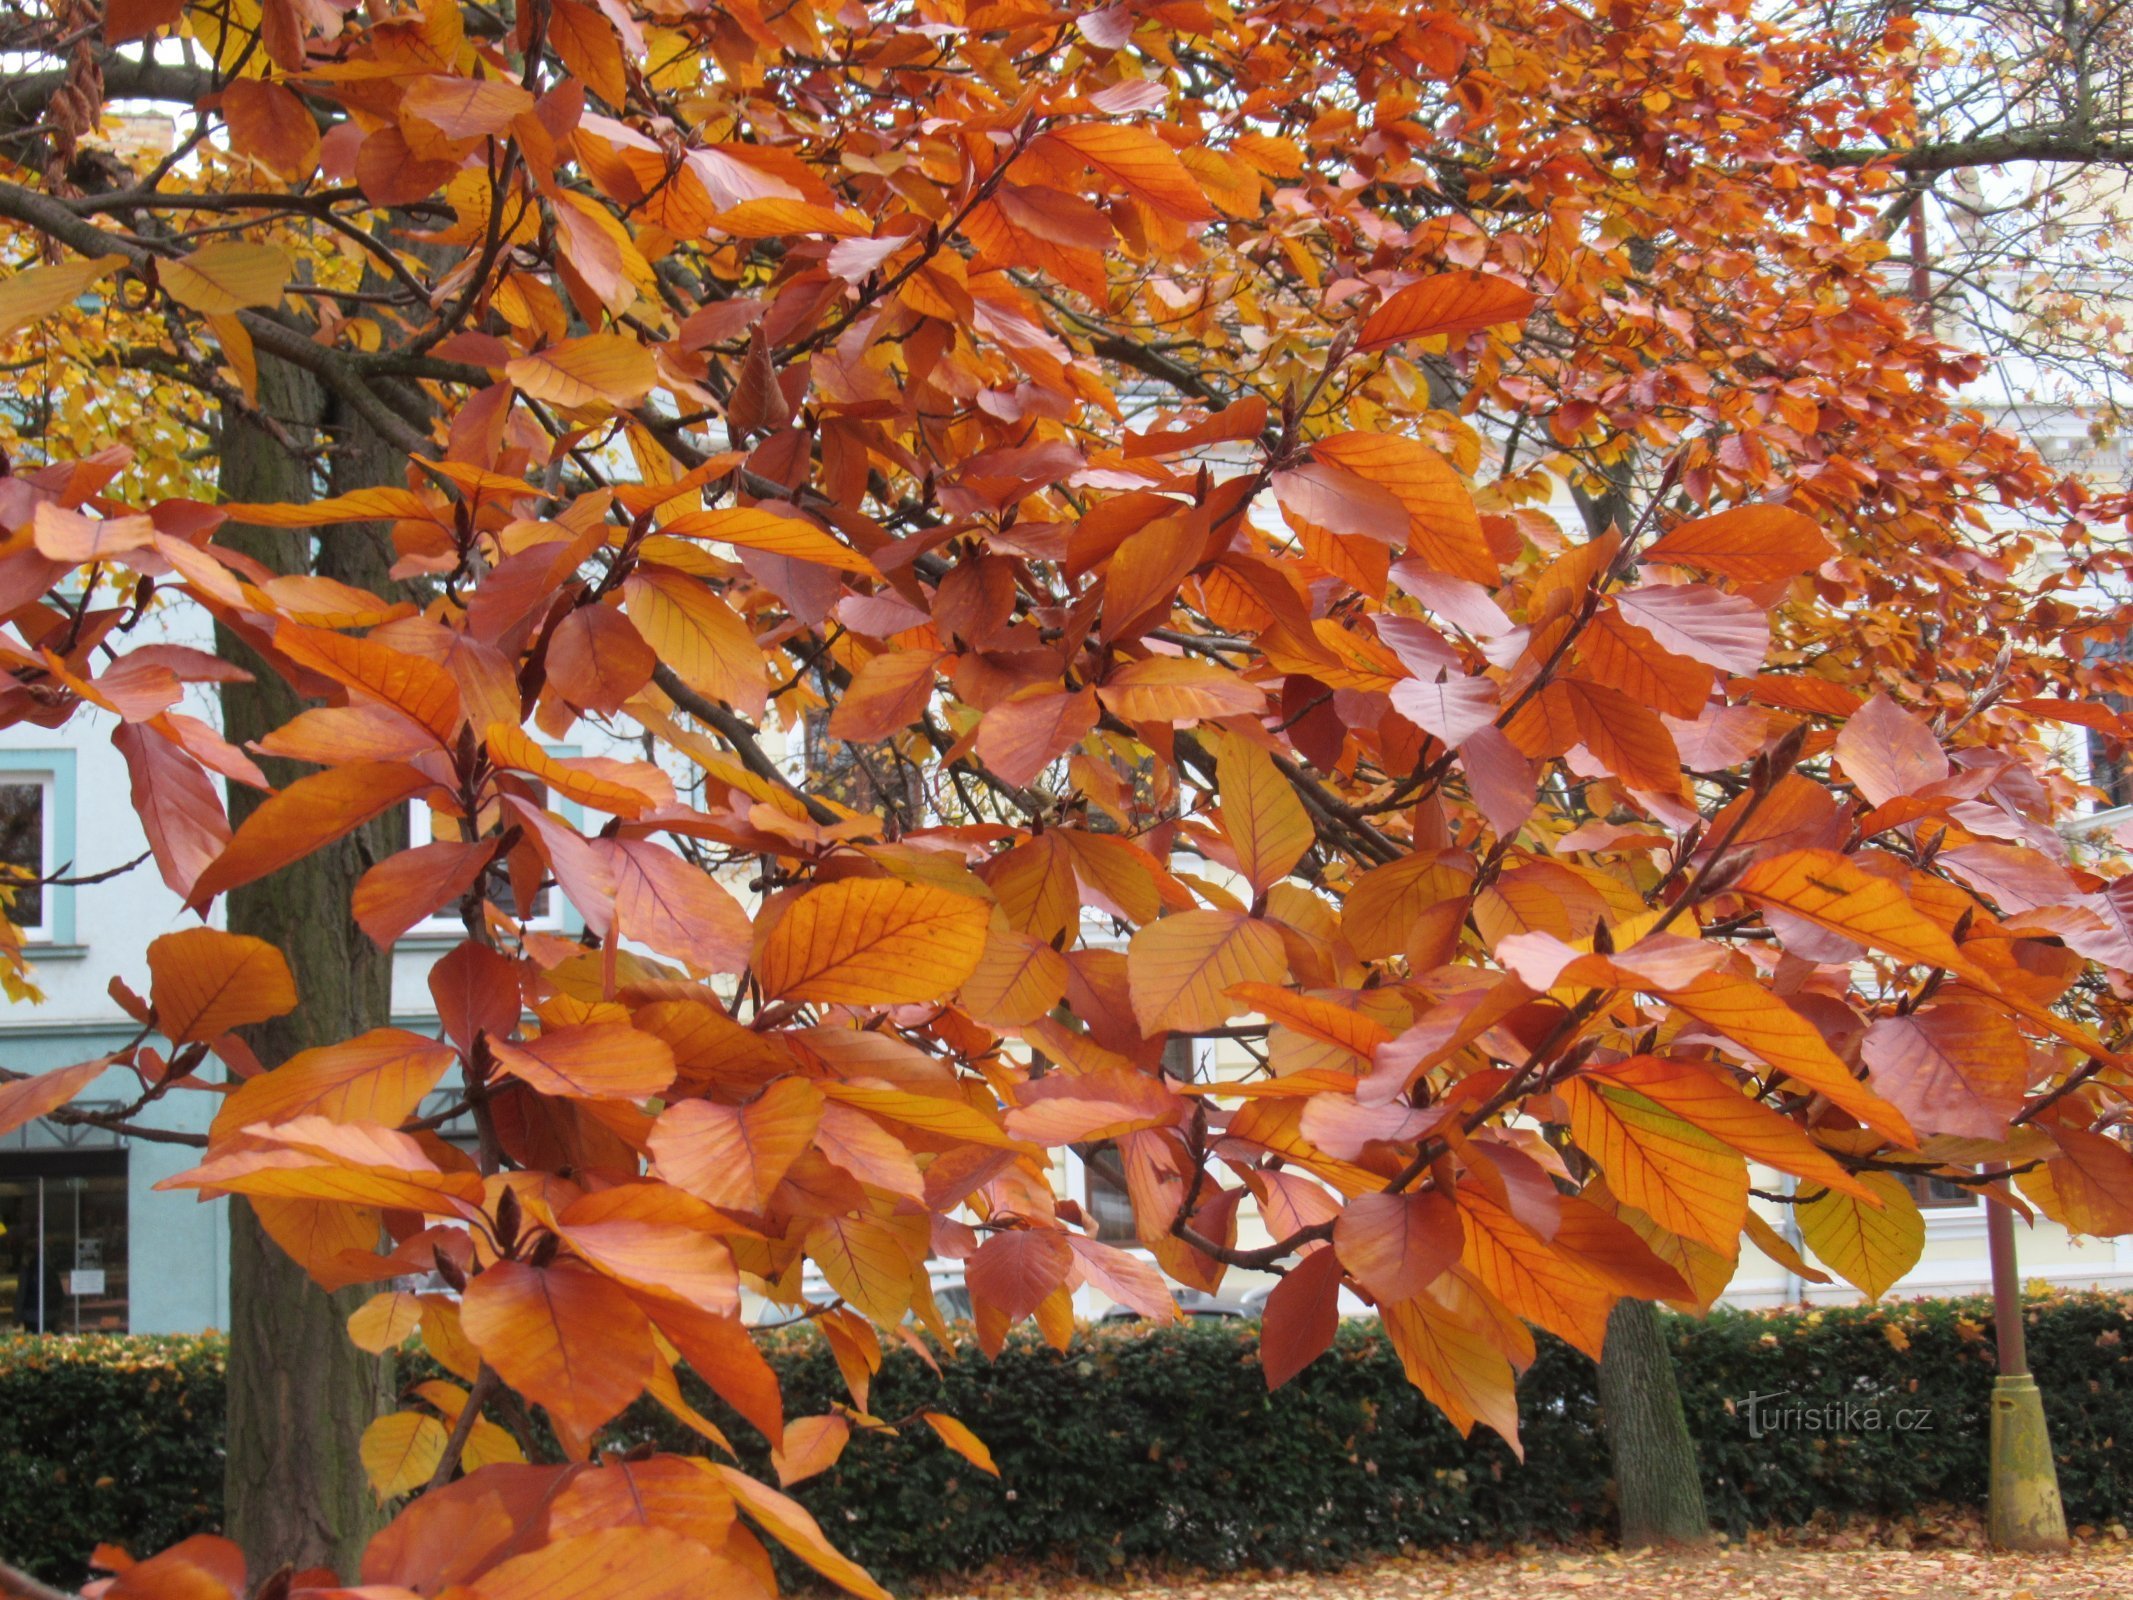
(1657, 1488)
(300, 1394)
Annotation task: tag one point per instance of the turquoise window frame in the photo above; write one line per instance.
(57, 937)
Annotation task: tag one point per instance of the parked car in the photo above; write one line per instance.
(1194, 1303)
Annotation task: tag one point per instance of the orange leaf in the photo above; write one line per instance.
(812, 1446)
(1397, 1245)
(736, 1155)
(751, 528)
(1169, 689)
(589, 1061)
(657, 1239)
(961, 1440)
(1443, 527)
(207, 982)
(465, 108)
(1180, 970)
(593, 369)
(1461, 1371)
(678, 909)
(1302, 1316)
(1681, 1177)
(1755, 544)
(1265, 821)
(873, 942)
(1753, 1017)
(1025, 733)
(565, 1338)
(1015, 1271)
(1888, 752)
(641, 1563)
(379, 1076)
(26, 1099)
(1018, 979)
(1955, 1067)
(888, 693)
(1139, 163)
(787, 1521)
(1704, 1096)
(309, 813)
(1447, 303)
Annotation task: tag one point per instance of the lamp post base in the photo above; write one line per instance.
(2025, 1511)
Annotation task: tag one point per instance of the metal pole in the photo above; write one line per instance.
(2006, 1292)
(2025, 1512)
(42, 1260)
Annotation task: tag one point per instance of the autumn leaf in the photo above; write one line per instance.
(400, 1451)
(1140, 163)
(564, 1337)
(1868, 1246)
(873, 941)
(591, 1061)
(1755, 544)
(737, 1155)
(1182, 968)
(957, 1437)
(218, 279)
(208, 982)
(1451, 303)
(593, 369)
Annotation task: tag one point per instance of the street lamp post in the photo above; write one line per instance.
(2024, 1510)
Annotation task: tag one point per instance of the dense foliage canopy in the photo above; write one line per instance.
(1116, 448)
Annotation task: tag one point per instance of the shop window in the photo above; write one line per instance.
(63, 1258)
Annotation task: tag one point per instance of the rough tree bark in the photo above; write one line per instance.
(1658, 1490)
(300, 1394)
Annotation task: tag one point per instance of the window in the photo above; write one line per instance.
(1104, 1196)
(551, 913)
(25, 834)
(63, 1258)
(1937, 1194)
(37, 841)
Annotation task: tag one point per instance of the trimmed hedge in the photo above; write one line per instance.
(1162, 1446)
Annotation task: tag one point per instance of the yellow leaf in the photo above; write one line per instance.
(1868, 1247)
(38, 292)
(217, 279)
(400, 1452)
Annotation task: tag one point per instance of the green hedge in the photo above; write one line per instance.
(1162, 1446)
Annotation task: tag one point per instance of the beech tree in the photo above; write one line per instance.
(1120, 442)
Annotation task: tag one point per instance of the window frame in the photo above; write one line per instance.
(563, 919)
(52, 772)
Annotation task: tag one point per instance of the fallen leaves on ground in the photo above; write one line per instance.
(1836, 1567)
